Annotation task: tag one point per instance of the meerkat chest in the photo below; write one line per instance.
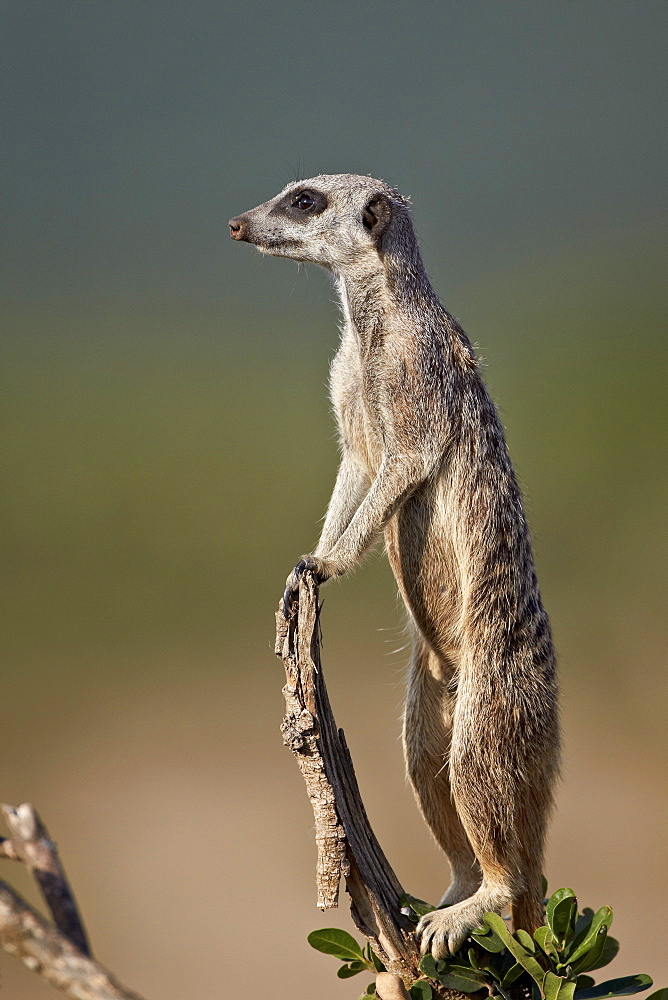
(353, 396)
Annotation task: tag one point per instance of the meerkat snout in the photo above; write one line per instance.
(238, 228)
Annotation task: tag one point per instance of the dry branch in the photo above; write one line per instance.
(346, 843)
(31, 843)
(60, 954)
(48, 953)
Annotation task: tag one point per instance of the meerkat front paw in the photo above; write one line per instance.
(322, 571)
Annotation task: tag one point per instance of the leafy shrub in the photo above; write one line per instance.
(550, 965)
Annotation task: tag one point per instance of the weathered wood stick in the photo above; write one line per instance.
(346, 843)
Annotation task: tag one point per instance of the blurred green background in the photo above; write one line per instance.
(167, 447)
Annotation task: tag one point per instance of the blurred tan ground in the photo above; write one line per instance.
(162, 477)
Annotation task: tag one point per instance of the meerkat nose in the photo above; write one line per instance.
(238, 228)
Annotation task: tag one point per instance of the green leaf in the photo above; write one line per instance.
(420, 990)
(556, 988)
(459, 983)
(585, 938)
(488, 939)
(584, 982)
(513, 973)
(587, 948)
(610, 949)
(661, 994)
(527, 961)
(455, 969)
(551, 986)
(418, 906)
(332, 941)
(370, 992)
(561, 913)
(591, 960)
(354, 969)
(616, 988)
(553, 902)
(590, 954)
(545, 939)
(346, 971)
(525, 940)
(428, 966)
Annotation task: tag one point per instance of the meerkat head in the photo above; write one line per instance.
(337, 220)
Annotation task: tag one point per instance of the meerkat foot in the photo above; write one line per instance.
(443, 932)
(321, 570)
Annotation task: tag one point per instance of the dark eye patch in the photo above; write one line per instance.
(301, 204)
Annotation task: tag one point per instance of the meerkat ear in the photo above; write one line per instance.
(377, 214)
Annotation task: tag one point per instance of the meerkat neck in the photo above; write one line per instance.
(364, 302)
(368, 293)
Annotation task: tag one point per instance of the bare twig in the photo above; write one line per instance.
(31, 843)
(49, 953)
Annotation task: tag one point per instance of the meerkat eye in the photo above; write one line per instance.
(304, 201)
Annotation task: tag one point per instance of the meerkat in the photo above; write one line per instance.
(424, 462)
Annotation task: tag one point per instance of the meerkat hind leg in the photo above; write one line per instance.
(427, 729)
(490, 802)
(442, 932)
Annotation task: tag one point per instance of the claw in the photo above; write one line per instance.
(288, 603)
(443, 932)
(433, 939)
